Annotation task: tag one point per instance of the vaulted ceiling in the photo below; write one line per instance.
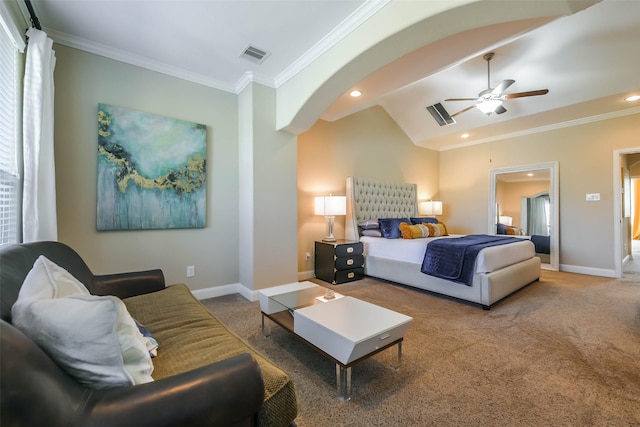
(589, 60)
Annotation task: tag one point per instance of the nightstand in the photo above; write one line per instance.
(339, 262)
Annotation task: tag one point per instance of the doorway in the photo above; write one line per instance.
(626, 165)
(632, 266)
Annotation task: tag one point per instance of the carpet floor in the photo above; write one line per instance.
(564, 351)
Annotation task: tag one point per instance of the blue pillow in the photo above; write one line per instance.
(501, 229)
(390, 227)
(424, 220)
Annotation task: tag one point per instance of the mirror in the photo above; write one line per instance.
(523, 201)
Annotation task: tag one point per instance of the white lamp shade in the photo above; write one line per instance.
(431, 207)
(331, 205)
(506, 220)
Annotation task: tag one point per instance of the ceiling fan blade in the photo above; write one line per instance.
(500, 110)
(462, 111)
(502, 87)
(461, 99)
(523, 94)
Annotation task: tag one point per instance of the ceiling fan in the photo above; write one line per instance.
(490, 100)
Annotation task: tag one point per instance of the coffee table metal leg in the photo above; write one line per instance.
(343, 382)
(396, 366)
(266, 327)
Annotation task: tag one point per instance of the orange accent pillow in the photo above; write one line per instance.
(437, 230)
(413, 231)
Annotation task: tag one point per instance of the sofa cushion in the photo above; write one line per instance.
(94, 339)
(190, 336)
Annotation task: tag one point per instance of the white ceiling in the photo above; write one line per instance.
(589, 61)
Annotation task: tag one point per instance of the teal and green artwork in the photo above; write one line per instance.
(151, 171)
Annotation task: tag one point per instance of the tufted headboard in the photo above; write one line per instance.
(370, 199)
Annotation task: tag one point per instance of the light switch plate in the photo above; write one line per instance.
(593, 197)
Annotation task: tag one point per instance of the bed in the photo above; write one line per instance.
(499, 270)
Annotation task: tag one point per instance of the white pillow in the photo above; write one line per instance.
(48, 280)
(93, 338)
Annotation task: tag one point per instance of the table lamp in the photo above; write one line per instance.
(431, 208)
(329, 207)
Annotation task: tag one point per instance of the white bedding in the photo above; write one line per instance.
(412, 250)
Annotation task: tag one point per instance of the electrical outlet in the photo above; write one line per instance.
(191, 271)
(308, 256)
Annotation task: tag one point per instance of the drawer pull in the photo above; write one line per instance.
(349, 262)
(384, 337)
(349, 249)
(351, 275)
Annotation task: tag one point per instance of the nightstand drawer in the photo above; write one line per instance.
(344, 276)
(346, 263)
(349, 250)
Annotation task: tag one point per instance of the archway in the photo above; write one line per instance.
(398, 29)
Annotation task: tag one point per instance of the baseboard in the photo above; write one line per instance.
(218, 291)
(306, 275)
(587, 270)
(248, 294)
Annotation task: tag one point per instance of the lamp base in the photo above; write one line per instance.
(329, 237)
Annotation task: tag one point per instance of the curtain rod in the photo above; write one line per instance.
(34, 18)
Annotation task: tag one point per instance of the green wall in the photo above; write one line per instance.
(82, 80)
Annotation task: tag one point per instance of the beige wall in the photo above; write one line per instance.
(585, 156)
(83, 80)
(366, 144)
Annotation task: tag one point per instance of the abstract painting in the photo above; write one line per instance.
(151, 171)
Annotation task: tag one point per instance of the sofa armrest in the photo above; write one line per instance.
(126, 285)
(226, 393)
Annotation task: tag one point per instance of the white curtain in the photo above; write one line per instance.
(39, 220)
(538, 223)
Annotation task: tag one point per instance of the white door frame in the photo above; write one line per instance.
(617, 208)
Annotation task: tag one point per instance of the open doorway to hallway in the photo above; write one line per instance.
(632, 210)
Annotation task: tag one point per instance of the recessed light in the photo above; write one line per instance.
(355, 93)
(464, 135)
(632, 98)
(529, 174)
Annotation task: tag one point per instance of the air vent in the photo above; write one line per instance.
(254, 54)
(440, 114)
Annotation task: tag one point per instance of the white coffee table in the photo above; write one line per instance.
(345, 329)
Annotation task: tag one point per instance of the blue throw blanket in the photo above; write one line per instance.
(455, 258)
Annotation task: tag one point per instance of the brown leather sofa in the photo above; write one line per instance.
(222, 382)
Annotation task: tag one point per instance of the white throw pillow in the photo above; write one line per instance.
(93, 338)
(47, 280)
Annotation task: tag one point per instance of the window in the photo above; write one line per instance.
(10, 184)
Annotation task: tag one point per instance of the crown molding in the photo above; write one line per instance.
(252, 77)
(546, 128)
(137, 60)
(357, 18)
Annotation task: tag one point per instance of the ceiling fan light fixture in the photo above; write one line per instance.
(489, 106)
